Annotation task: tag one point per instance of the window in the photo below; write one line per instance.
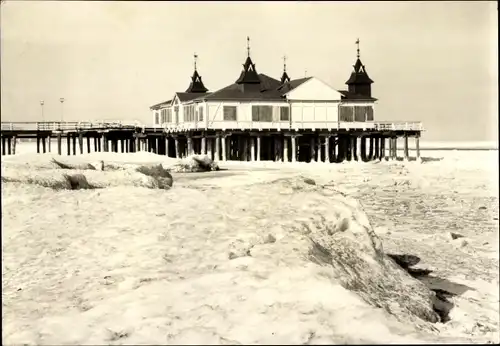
(262, 113)
(284, 114)
(346, 114)
(189, 113)
(200, 113)
(157, 118)
(359, 113)
(163, 116)
(230, 113)
(369, 113)
(169, 115)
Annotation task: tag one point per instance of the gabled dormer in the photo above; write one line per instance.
(359, 82)
(196, 85)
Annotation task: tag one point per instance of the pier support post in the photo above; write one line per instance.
(190, 145)
(406, 150)
(370, 153)
(312, 148)
(363, 149)
(217, 148)
(348, 147)
(68, 144)
(167, 149)
(277, 149)
(176, 147)
(354, 148)
(417, 147)
(294, 148)
(382, 148)
(14, 142)
(9, 146)
(359, 156)
(223, 148)
(285, 149)
(3, 145)
(334, 149)
(49, 140)
(258, 148)
(44, 145)
(122, 145)
(252, 149)
(74, 143)
(377, 148)
(203, 145)
(327, 149)
(37, 145)
(395, 148)
(95, 144)
(80, 142)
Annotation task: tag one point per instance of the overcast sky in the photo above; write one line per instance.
(431, 61)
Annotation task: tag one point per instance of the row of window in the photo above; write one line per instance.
(263, 114)
(259, 113)
(356, 113)
(165, 115)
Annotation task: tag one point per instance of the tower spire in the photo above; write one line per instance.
(284, 77)
(195, 60)
(248, 46)
(357, 43)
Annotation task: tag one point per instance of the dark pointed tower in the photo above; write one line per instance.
(249, 74)
(196, 85)
(359, 83)
(284, 77)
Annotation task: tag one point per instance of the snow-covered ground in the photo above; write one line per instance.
(223, 258)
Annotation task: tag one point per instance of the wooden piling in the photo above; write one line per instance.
(417, 147)
(294, 148)
(3, 146)
(14, 142)
(258, 146)
(395, 148)
(382, 148)
(122, 146)
(37, 145)
(223, 147)
(49, 142)
(43, 144)
(74, 143)
(406, 150)
(80, 142)
(88, 144)
(376, 153)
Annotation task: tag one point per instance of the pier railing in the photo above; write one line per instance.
(63, 126)
(222, 125)
(297, 125)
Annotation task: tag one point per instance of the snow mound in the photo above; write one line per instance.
(195, 163)
(143, 176)
(344, 240)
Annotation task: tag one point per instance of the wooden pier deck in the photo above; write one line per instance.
(321, 141)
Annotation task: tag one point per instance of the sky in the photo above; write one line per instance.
(435, 62)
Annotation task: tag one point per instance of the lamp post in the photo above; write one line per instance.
(62, 108)
(41, 105)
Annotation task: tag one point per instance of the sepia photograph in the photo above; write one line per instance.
(249, 172)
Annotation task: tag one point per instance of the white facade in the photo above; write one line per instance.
(313, 105)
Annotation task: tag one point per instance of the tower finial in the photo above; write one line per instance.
(284, 63)
(357, 43)
(248, 46)
(195, 60)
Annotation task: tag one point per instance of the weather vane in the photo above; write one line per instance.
(357, 43)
